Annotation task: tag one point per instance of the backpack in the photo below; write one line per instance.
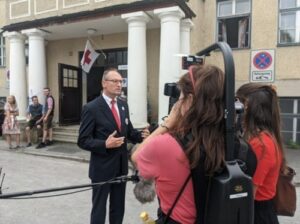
(246, 160)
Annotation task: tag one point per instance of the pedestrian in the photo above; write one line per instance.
(34, 117)
(47, 119)
(10, 125)
(162, 157)
(261, 126)
(104, 131)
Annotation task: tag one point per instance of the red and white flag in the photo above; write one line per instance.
(89, 57)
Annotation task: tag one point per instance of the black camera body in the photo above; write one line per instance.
(173, 92)
(171, 89)
(187, 61)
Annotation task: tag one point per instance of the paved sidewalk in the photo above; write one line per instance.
(73, 152)
(57, 150)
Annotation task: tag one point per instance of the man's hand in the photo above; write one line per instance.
(145, 133)
(45, 119)
(113, 142)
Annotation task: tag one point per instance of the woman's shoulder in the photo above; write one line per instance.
(165, 138)
(165, 141)
(263, 144)
(262, 138)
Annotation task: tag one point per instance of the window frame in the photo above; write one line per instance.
(3, 51)
(232, 16)
(296, 28)
(294, 117)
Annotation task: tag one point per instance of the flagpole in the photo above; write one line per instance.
(96, 46)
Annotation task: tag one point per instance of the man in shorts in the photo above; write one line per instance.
(47, 119)
(34, 117)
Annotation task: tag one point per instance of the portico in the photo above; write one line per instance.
(153, 37)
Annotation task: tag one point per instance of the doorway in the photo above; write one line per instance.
(70, 89)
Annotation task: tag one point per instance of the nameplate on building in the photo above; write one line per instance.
(122, 67)
(262, 66)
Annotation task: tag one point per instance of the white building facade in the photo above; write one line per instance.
(144, 44)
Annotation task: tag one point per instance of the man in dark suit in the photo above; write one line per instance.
(104, 130)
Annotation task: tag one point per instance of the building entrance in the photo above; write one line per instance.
(70, 89)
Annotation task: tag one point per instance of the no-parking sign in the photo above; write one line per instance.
(262, 66)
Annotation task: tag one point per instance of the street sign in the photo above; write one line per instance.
(262, 66)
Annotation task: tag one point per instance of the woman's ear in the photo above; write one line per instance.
(190, 99)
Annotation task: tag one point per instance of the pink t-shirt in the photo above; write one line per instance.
(163, 160)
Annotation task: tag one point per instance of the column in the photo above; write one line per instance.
(17, 72)
(37, 78)
(185, 36)
(169, 68)
(137, 67)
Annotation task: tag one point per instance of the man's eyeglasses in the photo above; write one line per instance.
(115, 81)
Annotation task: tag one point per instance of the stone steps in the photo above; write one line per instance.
(66, 133)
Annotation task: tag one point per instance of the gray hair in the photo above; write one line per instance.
(105, 73)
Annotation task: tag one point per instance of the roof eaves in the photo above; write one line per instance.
(101, 12)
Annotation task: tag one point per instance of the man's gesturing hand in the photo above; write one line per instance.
(113, 142)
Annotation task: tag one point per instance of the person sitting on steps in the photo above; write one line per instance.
(34, 117)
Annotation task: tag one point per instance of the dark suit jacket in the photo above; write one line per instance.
(97, 123)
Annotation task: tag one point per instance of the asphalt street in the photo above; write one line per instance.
(26, 172)
(29, 172)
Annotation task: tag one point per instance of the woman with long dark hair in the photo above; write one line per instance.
(261, 124)
(198, 113)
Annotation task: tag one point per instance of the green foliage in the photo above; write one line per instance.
(293, 145)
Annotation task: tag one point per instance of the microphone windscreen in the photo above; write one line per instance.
(144, 191)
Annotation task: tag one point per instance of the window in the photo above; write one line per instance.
(289, 22)
(290, 117)
(233, 22)
(2, 51)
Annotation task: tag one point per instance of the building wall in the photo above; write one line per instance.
(26, 10)
(264, 35)
(153, 47)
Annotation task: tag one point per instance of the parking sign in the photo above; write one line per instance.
(262, 66)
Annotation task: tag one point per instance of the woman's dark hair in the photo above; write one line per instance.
(262, 112)
(205, 118)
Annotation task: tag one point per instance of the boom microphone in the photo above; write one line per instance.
(144, 191)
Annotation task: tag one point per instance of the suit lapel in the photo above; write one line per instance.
(107, 112)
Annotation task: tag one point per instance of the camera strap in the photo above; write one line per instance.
(201, 181)
(176, 199)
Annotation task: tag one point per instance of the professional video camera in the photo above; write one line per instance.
(171, 89)
(187, 61)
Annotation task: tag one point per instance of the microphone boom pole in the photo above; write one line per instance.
(120, 179)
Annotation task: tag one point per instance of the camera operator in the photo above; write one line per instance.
(199, 114)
